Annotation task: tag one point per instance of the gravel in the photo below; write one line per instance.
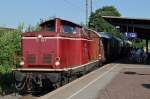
(11, 96)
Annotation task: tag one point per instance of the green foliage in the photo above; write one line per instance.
(4, 69)
(108, 11)
(31, 28)
(10, 50)
(138, 43)
(97, 23)
(10, 46)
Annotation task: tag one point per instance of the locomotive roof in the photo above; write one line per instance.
(66, 21)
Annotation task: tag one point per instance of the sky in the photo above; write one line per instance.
(29, 12)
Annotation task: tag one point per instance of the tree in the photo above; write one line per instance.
(98, 23)
(10, 46)
(108, 11)
(10, 49)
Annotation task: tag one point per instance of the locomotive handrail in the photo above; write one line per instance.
(36, 69)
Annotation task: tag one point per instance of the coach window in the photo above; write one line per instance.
(50, 27)
(68, 29)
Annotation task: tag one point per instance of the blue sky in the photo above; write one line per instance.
(14, 12)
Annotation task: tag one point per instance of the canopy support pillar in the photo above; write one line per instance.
(147, 45)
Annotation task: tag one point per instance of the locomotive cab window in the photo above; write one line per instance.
(68, 29)
(48, 26)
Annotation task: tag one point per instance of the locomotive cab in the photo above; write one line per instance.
(43, 49)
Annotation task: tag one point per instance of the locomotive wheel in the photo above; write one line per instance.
(20, 85)
(20, 81)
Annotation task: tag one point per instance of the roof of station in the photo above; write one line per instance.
(141, 26)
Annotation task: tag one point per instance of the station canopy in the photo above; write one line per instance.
(134, 25)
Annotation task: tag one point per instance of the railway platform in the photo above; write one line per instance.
(112, 81)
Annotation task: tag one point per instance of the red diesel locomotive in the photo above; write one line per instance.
(60, 50)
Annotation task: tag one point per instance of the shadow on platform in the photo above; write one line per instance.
(146, 86)
(127, 60)
(134, 73)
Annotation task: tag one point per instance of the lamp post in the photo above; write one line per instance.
(91, 6)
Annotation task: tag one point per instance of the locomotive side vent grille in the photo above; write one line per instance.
(31, 58)
(47, 58)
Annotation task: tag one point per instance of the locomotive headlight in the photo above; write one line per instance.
(39, 36)
(21, 63)
(57, 62)
(100, 56)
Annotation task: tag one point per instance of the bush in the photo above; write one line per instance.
(10, 50)
(6, 80)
